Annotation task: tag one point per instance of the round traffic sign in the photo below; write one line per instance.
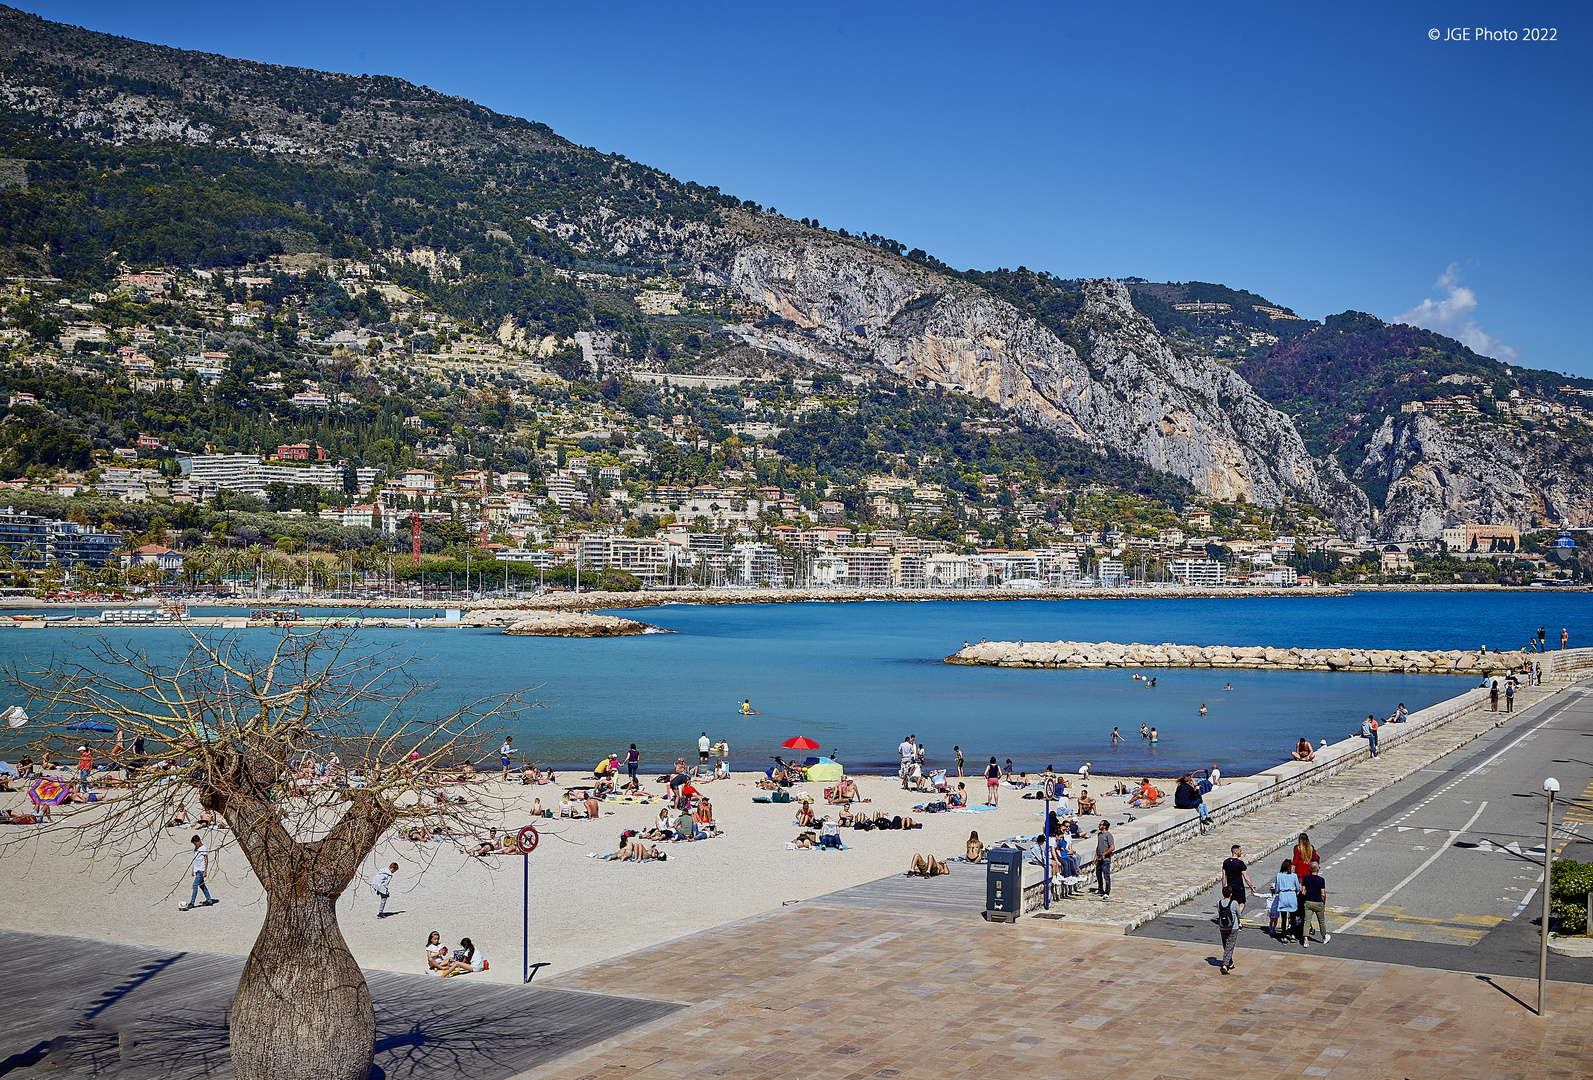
(526, 840)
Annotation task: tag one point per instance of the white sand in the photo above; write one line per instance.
(582, 909)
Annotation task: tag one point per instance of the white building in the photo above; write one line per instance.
(1197, 572)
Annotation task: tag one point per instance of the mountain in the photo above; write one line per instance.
(122, 154)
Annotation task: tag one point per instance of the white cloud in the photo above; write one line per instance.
(1451, 317)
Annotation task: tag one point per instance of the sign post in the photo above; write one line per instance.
(1050, 793)
(526, 842)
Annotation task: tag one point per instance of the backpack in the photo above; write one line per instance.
(1225, 916)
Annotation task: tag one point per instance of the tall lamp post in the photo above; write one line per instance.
(1550, 786)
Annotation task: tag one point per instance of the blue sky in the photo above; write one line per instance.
(1328, 159)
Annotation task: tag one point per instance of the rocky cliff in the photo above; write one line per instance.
(1441, 473)
(1117, 384)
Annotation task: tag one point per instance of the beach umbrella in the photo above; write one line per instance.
(90, 725)
(15, 716)
(801, 742)
(45, 790)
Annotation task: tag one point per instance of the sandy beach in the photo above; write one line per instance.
(582, 909)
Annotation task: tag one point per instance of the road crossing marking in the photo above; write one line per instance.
(1412, 875)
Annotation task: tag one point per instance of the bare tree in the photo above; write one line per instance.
(310, 752)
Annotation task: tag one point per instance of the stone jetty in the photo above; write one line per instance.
(1101, 654)
(575, 624)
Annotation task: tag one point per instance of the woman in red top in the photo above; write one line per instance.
(1304, 855)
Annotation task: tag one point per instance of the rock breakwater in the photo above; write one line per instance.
(575, 624)
(1100, 654)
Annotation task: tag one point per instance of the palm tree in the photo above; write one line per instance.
(30, 553)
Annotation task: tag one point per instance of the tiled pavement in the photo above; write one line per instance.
(817, 991)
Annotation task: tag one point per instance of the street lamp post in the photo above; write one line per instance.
(1550, 786)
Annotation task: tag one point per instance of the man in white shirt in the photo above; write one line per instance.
(909, 752)
(704, 744)
(383, 884)
(504, 753)
(201, 865)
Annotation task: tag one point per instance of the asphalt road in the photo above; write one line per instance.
(1445, 868)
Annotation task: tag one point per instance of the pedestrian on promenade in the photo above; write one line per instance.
(1288, 885)
(958, 751)
(1493, 695)
(1228, 912)
(633, 758)
(1105, 845)
(201, 866)
(1235, 872)
(1543, 637)
(992, 783)
(1565, 638)
(504, 752)
(1304, 855)
(1315, 892)
(1510, 697)
(382, 884)
(1369, 733)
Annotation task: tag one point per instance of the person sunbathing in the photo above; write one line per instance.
(467, 774)
(467, 959)
(420, 834)
(483, 847)
(1147, 795)
(804, 841)
(958, 798)
(436, 952)
(845, 819)
(591, 805)
(605, 785)
(207, 819)
(804, 814)
(15, 818)
(927, 867)
(704, 815)
(1303, 751)
(976, 848)
(179, 820)
(536, 807)
(1086, 804)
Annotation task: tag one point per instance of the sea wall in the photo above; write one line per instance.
(1102, 654)
(1156, 831)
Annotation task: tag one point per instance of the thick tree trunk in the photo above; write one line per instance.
(302, 1010)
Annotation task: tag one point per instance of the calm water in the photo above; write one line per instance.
(858, 677)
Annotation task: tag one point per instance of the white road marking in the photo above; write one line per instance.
(1412, 875)
(1527, 899)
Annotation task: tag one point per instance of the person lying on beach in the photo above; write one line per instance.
(420, 834)
(467, 774)
(483, 847)
(604, 785)
(804, 841)
(976, 848)
(1303, 751)
(1120, 787)
(1147, 795)
(15, 818)
(927, 867)
(1086, 804)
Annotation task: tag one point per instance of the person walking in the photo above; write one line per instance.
(1235, 873)
(201, 866)
(382, 884)
(1493, 695)
(632, 759)
(958, 751)
(1510, 697)
(992, 783)
(505, 752)
(1288, 886)
(1105, 845)
(1369, 733)
(908, 752)
(1304, 855)
(1228, 912)
(703, 746)
(1314, 890)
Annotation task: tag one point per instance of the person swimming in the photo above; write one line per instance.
(1153, 735)
(1144, 732)
(1228, 687)
(1202, 708)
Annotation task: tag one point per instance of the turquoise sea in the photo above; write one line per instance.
(859, 677)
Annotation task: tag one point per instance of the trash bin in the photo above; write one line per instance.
(1003, 884)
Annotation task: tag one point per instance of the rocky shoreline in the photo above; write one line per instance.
(560, 624)
(1101, 654)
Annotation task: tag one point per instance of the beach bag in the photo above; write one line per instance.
(780, 796)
